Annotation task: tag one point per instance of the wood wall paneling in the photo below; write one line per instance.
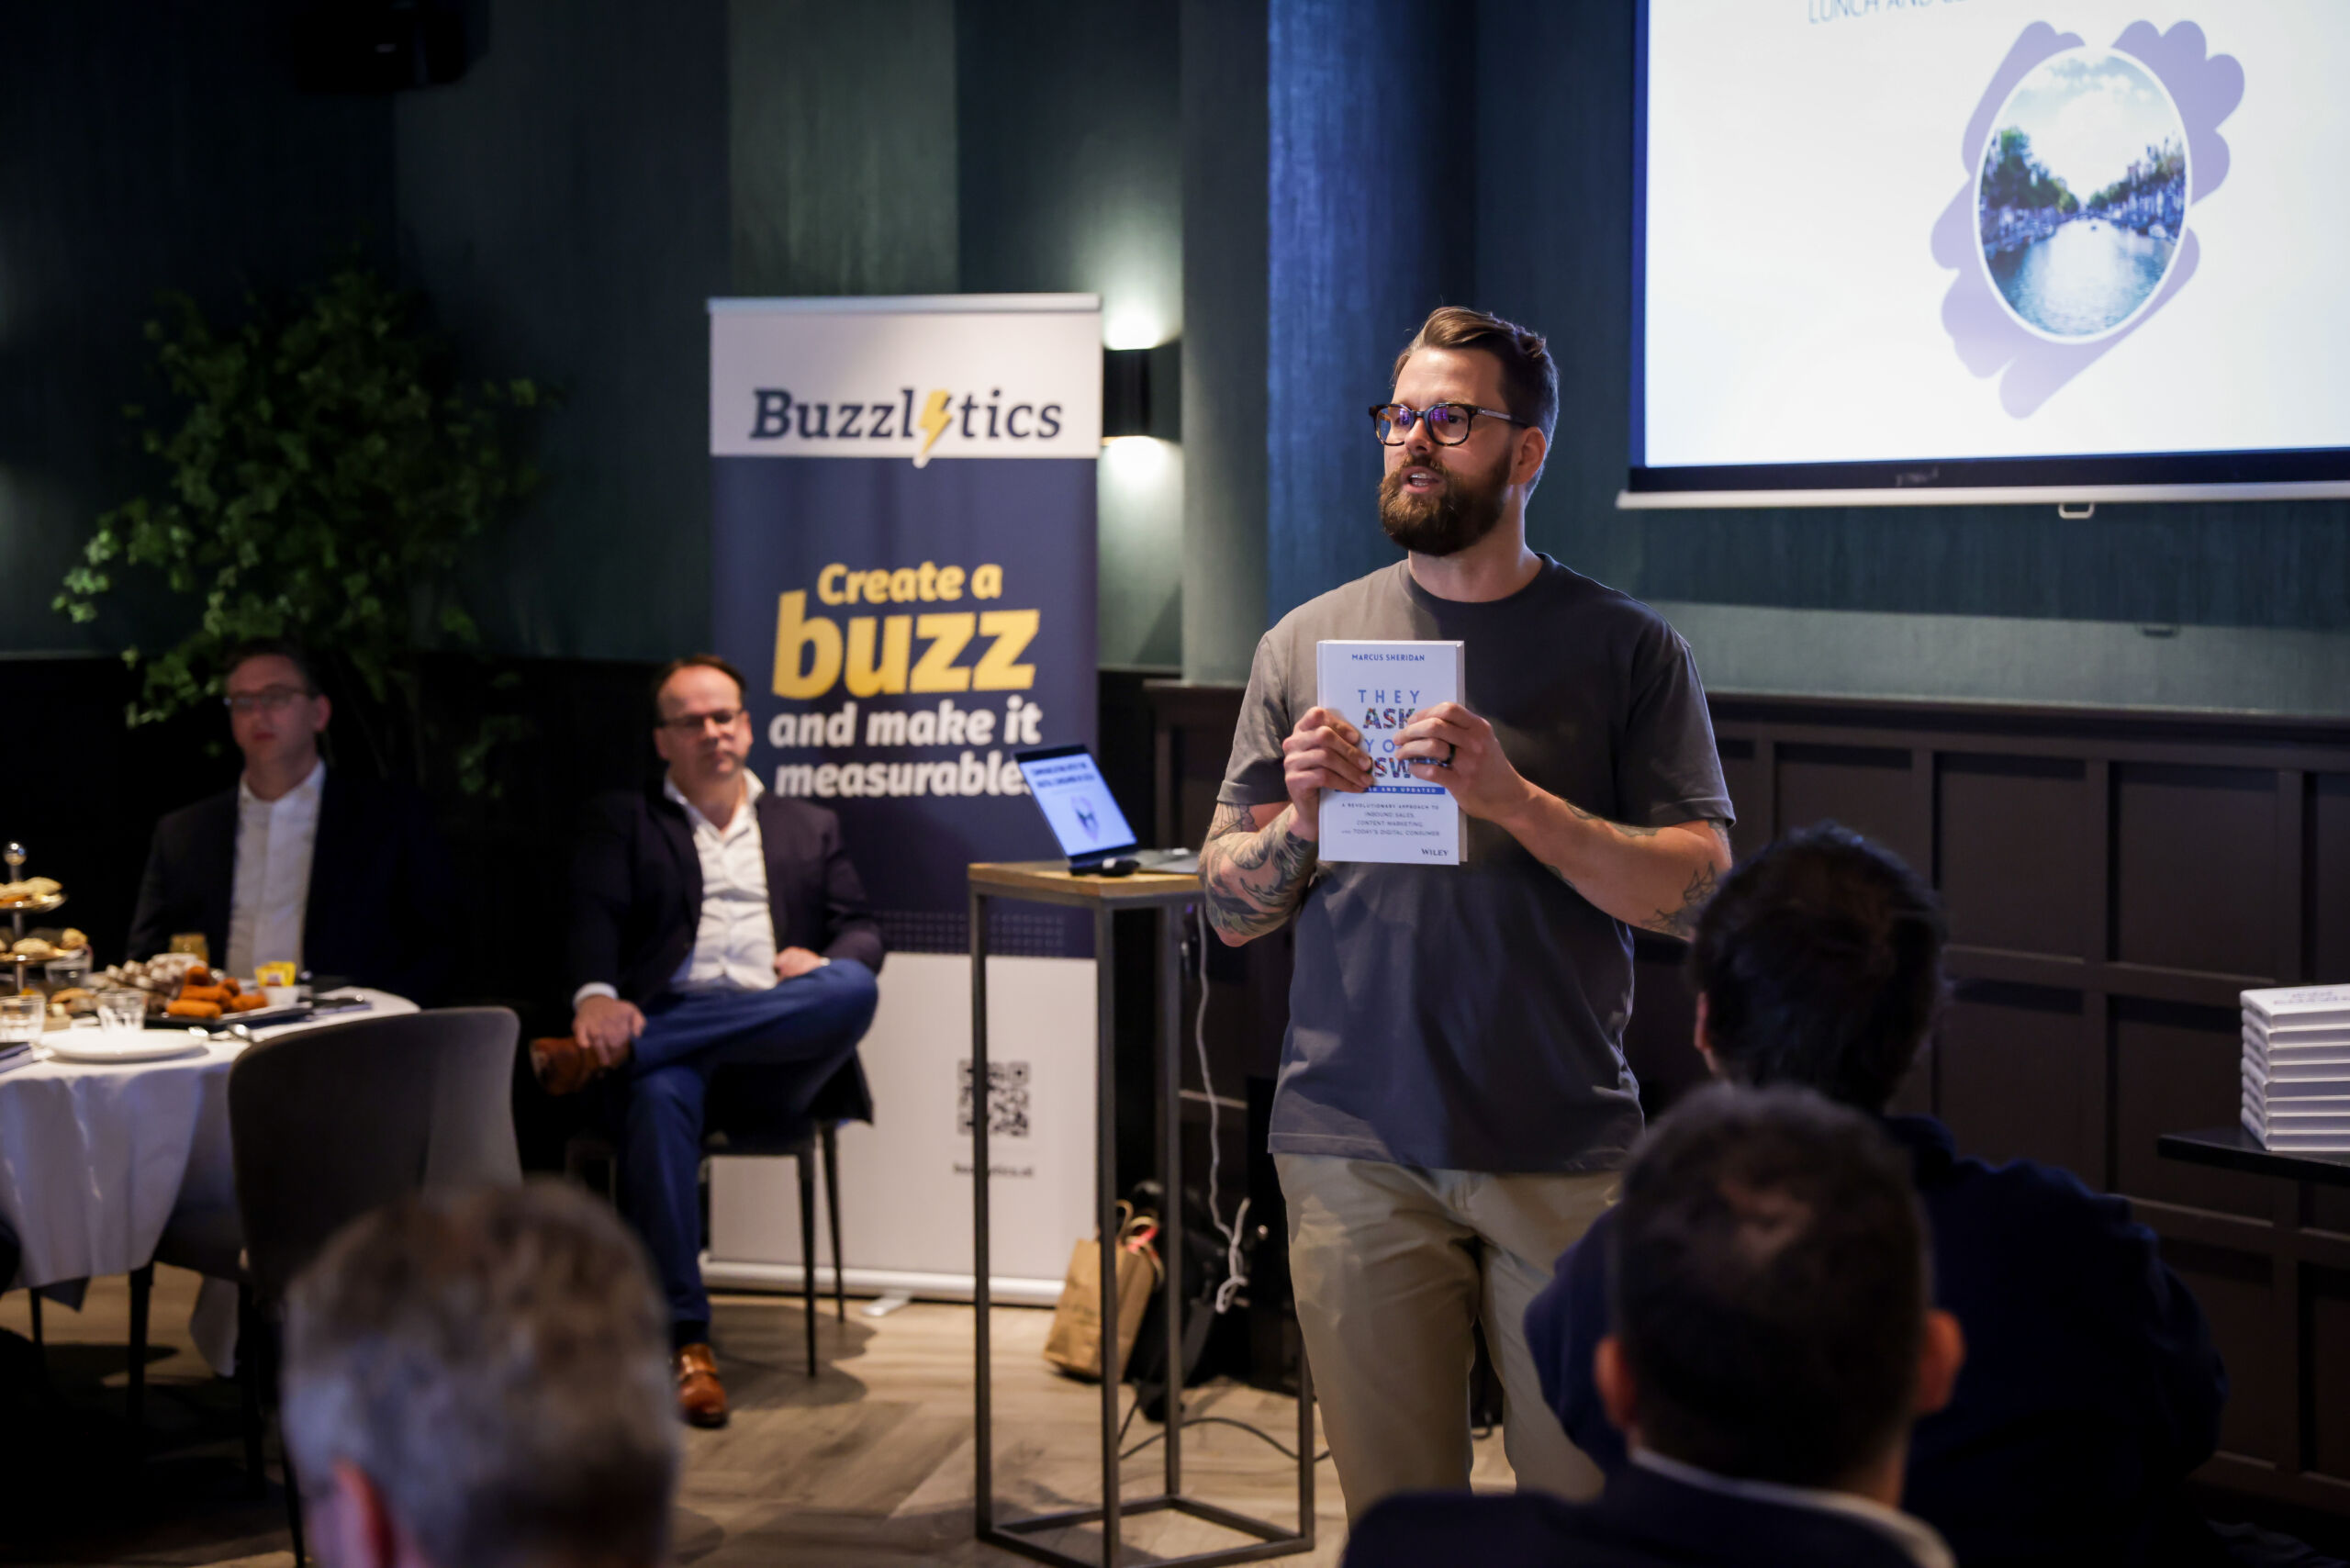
(2327, 1333)
(2328, 917)
(2177, 1067)
(1870, 790)
(2017, 1079)
(2194, 884)
(2021, 882)
(2237, 1290)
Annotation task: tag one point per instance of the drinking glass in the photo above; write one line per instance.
(122, 1007)
(20, 1019)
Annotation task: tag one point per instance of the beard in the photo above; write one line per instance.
(1448, 520)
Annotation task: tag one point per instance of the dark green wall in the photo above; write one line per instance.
(1070, 179)
(143, 148)
(843, 147)
(565, 206)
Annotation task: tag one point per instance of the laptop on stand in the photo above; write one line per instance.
(1068, 786)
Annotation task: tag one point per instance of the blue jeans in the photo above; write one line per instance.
(812, 1024)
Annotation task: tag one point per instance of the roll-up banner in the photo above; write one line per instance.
(904, 564)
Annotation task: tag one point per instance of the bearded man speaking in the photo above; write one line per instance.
(1453, 1102)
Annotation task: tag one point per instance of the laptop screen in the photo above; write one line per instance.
(1070, 789)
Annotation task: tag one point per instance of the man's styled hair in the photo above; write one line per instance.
(1529, 377)
(1820, 961)
(496, 1364)
(1771, 1287)
(698, 660)
(284, 649)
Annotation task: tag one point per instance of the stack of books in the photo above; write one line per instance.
(2297, 1068)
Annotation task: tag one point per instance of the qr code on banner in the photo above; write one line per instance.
(1007, 1099)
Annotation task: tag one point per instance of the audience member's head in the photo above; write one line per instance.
(1771, 1307)
(275, 709)
(701, 727)
(1819, 962)
(481, 1381)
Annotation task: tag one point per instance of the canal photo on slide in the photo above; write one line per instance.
(2083, 194)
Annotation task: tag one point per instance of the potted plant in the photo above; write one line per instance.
(323, 474)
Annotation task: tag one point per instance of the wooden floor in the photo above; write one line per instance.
(871, 1464)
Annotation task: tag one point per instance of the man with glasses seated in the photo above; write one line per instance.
(300, 862)
(1453, 1101)
(713, 923)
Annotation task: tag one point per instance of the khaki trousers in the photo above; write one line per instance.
(1392, 1266)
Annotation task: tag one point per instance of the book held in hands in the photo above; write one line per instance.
(1377, 686)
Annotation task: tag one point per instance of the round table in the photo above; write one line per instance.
(94, 1159)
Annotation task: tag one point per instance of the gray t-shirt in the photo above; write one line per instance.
(1471, 1017)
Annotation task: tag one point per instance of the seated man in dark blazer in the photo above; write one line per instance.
(300, 862)
(713, 923)
(2092, 1387)
(1772, 1339)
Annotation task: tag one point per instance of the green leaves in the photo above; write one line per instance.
(325, 479)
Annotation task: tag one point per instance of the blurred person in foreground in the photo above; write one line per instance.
(480, 1381)
(300, 862)
(713, 923)
(2092, 1388)
(1772, 1338)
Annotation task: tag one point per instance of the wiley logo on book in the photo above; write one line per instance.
(1401, 820)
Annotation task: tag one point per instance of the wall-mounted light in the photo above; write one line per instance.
(1142, 392)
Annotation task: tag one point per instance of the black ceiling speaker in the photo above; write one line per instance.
(377, 46)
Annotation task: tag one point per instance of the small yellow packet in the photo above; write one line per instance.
(275, 974)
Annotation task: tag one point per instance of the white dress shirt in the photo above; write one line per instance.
(1913, 1535)
(271, 893)
(734, 939)
(734, 942)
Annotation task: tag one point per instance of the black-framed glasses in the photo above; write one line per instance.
(691, 724)
(268, 700)
(1448, 424)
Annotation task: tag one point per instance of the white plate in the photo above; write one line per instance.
(101, 1045)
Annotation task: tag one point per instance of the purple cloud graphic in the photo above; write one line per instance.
(2207, 88)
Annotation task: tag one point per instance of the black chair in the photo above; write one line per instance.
(325, 1126)
(749, 1113)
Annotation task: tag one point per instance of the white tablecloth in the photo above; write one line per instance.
(94, 1160)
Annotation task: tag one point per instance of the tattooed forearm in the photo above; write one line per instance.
(1682, 922)
(1253, 878)
(1622, 830)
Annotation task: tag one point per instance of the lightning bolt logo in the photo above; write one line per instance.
(933, 424)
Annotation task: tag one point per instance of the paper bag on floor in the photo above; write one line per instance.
(1074, 1346)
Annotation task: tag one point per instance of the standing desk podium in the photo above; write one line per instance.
(1049, 881)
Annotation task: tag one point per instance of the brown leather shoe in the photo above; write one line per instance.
(701, 1398)
(563, 1064)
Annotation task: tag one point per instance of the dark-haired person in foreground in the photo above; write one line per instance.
(480, 1381)
(2092, 1387)
(1772, 1339)
(1453, 1101)
(300, 862)
(713, 922)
